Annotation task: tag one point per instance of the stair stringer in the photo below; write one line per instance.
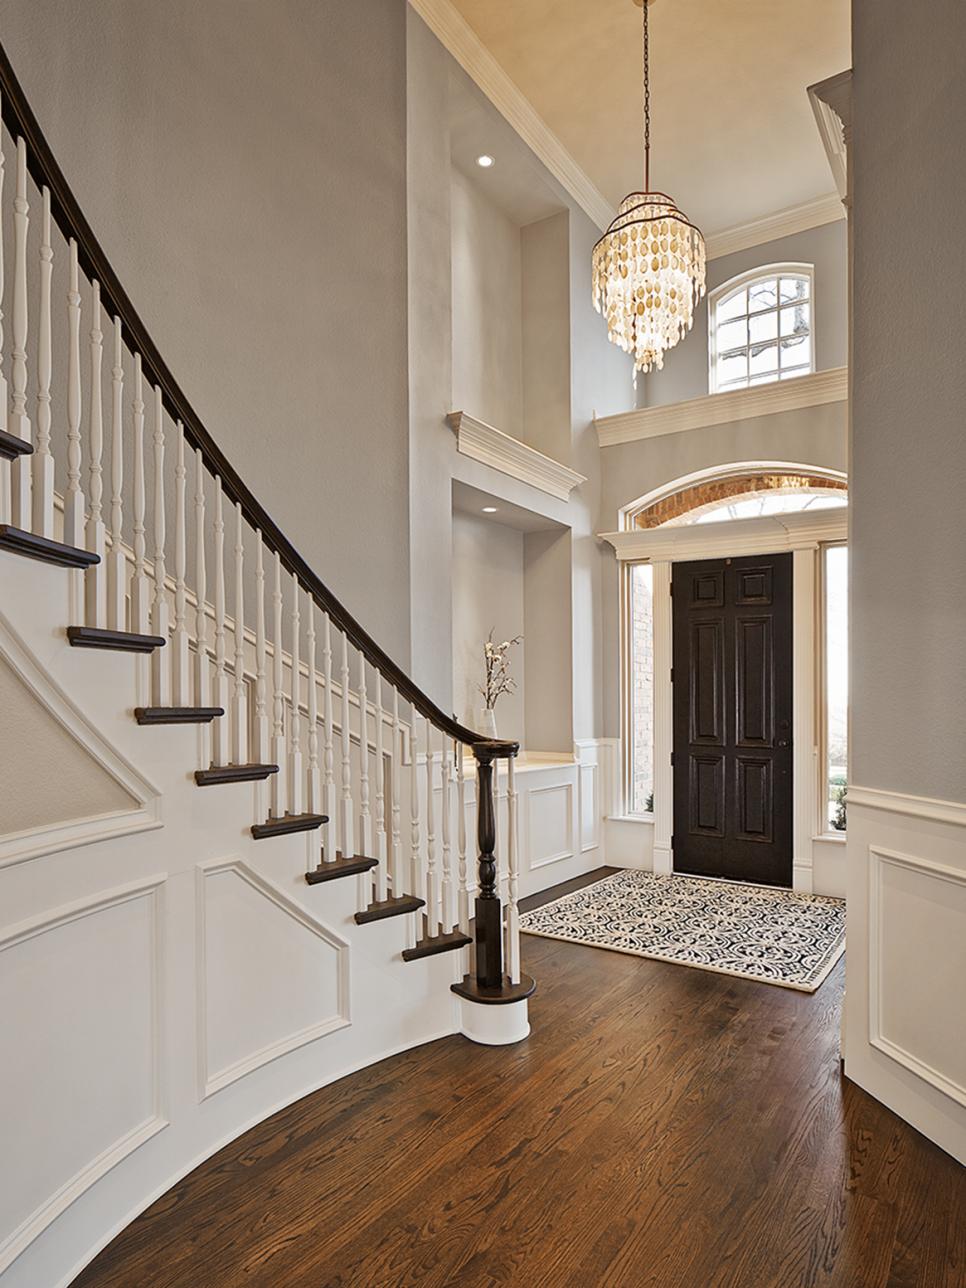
(101, 991)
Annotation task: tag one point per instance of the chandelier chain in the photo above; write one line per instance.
(647, 99)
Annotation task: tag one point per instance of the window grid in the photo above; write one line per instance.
(761, 331)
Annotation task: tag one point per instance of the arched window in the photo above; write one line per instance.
(760, 327)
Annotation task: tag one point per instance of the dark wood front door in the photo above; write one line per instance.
(733, 718)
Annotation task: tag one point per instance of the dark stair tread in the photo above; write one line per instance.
(286, 824)
(33, 546)
(340, 867)
(506, 993)
(11, 446)
(119, 641)
(433, 944)
(176, 715)
(390, 908)
(233, 774)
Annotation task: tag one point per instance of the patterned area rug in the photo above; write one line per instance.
(754, 932)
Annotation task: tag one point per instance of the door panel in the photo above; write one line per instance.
(732, 718)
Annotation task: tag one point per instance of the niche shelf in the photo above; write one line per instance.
(481, 442)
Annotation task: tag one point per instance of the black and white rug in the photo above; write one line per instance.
(754, 932)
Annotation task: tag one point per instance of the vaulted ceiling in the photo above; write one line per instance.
(733, 136)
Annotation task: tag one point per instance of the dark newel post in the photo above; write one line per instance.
(489, 911)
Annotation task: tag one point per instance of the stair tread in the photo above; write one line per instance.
(176, 715)
(32, 546)
(429, 946)
(11, 446)
(378, 911)
(341, 867)
(119, 641)
(233, 774)
(286, 824)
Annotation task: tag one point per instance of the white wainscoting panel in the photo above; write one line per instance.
(590, 811)
(262, 989)
(917, 920)
(550, 824)
(904, 1019)
(80, 1000)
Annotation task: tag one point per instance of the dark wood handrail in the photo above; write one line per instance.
(18, 116)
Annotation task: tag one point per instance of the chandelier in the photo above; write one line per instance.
(648, 268)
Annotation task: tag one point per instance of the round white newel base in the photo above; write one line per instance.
(494, 1016)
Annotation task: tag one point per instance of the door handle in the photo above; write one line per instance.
(783, 742)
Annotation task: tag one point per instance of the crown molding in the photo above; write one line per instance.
(481, 442)
(783, 223)
(831, 102)
(723, 409)
(458, 37)
(768, 534)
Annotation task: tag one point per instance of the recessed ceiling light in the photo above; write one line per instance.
(485, 161)
(489, 509)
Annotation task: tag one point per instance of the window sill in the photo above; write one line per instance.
(646, 819)
(837, 838)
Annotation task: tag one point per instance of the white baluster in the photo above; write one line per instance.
(346, 828)
(329, 796)
(432, 875)
(4, 464)
(140, 594)
(43, 465)
(315, 782)
(395, 843)
(116, 562)
(239, 702)
(513, 893)
(446, 889)
(74, 504)
(202, 668)
(95, 580)
(295, 768)
(365, 815)
(382, 850)
(180, 665)
(279, 754)
(417, 886)
(19, 424)
(464, 892)
(260, 752)
(221, 740)
(160, 671)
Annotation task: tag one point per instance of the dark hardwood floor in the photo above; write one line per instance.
(661, 1126)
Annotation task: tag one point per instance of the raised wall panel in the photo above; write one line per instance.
(590, 810)
(707, 681)
(80, 1077)
(753, 803)
(753, 659)
(271, 976)
(550, 824)
(917, 965)
(706, 795)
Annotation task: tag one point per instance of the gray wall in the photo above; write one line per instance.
(237, 160)
(685, 371)
(909, 395)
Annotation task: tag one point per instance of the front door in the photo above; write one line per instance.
(733, 718)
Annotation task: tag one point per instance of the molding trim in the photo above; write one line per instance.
(210, 1082)
(458, 37)
(936, 811)
(769, 534)
(879, 858)
(145, 812)
(568, 788)
(814, 390)
(481, 442)
(831, 102)
(783, 223)
(149, 888)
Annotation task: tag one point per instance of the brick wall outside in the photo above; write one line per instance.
(703, 495)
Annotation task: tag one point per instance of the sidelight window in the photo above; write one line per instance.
(639, 690)
(835, 582)
(760, 327)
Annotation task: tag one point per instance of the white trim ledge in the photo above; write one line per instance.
(936, 811)
(481, 442)
(768, 534)
(814, 390)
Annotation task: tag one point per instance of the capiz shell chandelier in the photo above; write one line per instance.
(649, 267)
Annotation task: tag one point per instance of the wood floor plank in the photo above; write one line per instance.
(661, 1127)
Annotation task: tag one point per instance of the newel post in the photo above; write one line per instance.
(493, 1005)
(488, 908)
